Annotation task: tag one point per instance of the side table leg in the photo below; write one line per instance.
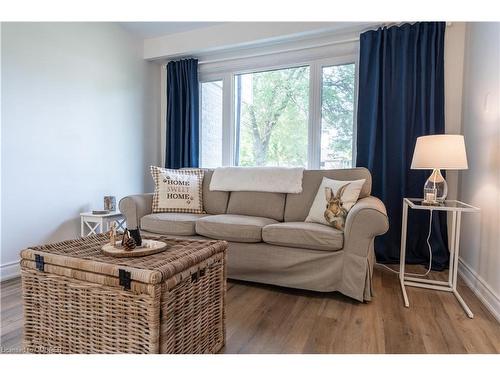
(452, 248)
(402, 255)
(456, 248)
(405, 296)
(454, 266)
(120, 224)
(464, 305)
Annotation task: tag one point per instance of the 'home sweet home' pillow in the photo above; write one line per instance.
(333, 201)
(178, 190)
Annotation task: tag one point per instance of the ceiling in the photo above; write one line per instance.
(154, 29)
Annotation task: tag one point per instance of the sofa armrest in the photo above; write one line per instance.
(366, 220)
(134, 207)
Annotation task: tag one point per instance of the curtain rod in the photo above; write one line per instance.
(391, 24)
(294, 49)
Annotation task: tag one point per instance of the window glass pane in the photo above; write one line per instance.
(271, 113)
(211, 125)
(337, 116)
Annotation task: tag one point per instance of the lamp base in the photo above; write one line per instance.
(435, 188)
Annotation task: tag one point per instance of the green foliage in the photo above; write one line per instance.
(337, 111)
(274, 115)
(274, 124)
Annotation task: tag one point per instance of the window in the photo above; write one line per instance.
(271, 117)
(211, 124)
(298, 115)
(337, 116)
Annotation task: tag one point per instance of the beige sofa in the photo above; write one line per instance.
(270, 243)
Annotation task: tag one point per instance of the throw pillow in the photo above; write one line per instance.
(178, 190)
(333, 201)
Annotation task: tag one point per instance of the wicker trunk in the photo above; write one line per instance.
(78, 300)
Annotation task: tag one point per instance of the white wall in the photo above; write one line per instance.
(454, 44)
(80, 120)
(480, 185)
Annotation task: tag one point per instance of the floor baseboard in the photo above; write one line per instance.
(9, 271)
(480, 288)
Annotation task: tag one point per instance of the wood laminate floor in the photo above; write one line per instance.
(267, 319)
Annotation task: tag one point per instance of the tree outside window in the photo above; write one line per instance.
(337, 118)
(272, 117)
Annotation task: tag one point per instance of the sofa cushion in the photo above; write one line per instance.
(306, 235)
(214, 202)
(182, 224)
(237, 228)
(254, 203)
(298, 205)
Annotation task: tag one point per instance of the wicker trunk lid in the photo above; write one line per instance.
(83, 259)
(150, 299)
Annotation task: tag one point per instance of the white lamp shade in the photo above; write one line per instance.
(444, 151)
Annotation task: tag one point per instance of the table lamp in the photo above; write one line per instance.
(436, 152)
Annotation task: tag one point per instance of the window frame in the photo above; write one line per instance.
(315, 102)
(200, 133)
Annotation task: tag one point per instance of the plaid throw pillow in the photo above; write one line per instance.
(178, 190)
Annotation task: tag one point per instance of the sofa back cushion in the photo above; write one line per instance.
(214, 202)
(254, 203)
(298, 205)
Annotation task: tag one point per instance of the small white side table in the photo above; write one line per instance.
(456, 208)
(94, 224)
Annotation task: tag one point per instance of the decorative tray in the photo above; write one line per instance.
(148, 247)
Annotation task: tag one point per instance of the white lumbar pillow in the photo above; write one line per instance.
(333, 201)
(266, 179)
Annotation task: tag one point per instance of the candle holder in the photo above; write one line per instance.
(430, 196)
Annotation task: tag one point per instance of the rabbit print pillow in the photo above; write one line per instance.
(178, 190)
(333, 201)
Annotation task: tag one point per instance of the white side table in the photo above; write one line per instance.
(456, 208)
(94, 224)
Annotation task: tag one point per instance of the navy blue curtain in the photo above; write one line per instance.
(182, 114)
(401, 97)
